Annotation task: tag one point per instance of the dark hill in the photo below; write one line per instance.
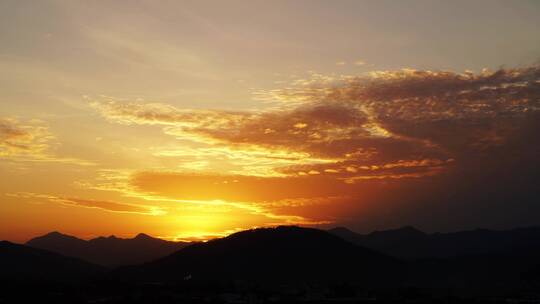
(19, 262)
(272, 254)
(108, 251)
(411, 243)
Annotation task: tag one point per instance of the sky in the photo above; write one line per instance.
(190, 120)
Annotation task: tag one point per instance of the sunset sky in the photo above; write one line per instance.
(195, 119)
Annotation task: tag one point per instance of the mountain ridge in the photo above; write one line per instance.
(280, 253)
(410, 243)
(108, 251)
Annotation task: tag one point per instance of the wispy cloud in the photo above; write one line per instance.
(108, 206)
(250, 195)
(17, 139)
(31, 141)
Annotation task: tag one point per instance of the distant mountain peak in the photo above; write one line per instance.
(54, 236)
(344, 232)
(143, 236)
(341, 228)
(108, 250)
(408, 230)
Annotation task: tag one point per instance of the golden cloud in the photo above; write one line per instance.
(252, 196)
(17, 139)
(31, 141)
(108, 206)
(388, 124)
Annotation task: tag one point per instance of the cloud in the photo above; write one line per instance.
(334, 134)
(162, 114)
(30, 141)
(234, 188)
(252, 197)
(17, 139)
(108, 206)
(364, 111)
(382, 138)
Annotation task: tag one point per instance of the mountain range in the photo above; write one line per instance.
(411, 243)
(108, 251)
(406, 243)
(285, 253)
(494, 262)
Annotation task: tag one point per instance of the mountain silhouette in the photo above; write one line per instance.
(482, 262)
(108, 251)
(19, 262)
(410, 243)
(284, 253)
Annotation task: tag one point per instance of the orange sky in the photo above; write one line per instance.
(198, 120)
